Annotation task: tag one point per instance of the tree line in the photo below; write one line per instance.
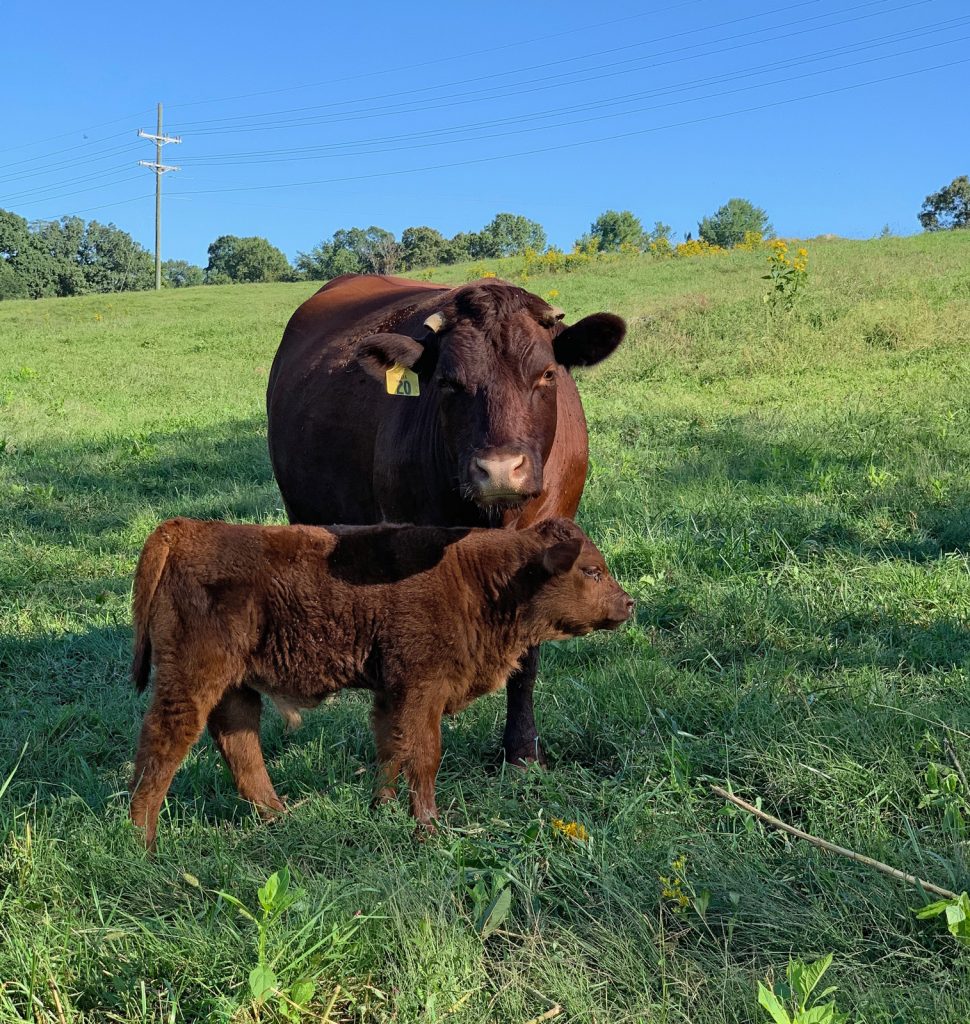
(72, 257)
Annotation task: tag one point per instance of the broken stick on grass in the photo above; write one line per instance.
(832, 848)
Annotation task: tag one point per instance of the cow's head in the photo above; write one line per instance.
(493, 358)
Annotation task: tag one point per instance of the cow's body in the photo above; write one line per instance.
(427, 618)
(345, 451)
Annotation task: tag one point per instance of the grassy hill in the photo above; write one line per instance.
(787, 497)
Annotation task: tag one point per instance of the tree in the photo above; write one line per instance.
(462, 247)
(331, 258)
(422, 247)
(661, 234)
(69, 257)
(351, 251)
(14, 242)
(728, 226)
(949, 208)
(181, 274)
(245, 260)
(612, 229)
(509, 234)
(112, 261)
(380, 251)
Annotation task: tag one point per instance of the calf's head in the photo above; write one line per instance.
(574, 592)
(491, 363)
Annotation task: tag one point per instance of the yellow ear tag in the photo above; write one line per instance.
(402, 381)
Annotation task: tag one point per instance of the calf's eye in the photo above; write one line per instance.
(548, 376)
(593, 573)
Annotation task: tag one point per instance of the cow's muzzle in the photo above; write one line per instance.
(504, 476)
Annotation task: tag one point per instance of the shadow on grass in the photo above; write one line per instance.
(77, 515)
(88, 495)
(741, 475)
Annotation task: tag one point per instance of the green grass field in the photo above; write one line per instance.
(788, 500)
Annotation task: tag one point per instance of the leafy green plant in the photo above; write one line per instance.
(795, 1001)
(275, 898)
(786, 277)
(490, 877)
(266, 979)
(944, 789)
(957, 913)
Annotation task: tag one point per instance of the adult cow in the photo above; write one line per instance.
(495, 437)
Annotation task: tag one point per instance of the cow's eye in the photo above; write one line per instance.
(449, 384)
(548, 376)
(593, 572)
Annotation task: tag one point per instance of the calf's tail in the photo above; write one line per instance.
(151, 564)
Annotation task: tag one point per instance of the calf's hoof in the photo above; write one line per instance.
(385, 795)
(424, 830)
(270, 809)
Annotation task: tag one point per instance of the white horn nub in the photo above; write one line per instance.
(554, 315)
(435, 322)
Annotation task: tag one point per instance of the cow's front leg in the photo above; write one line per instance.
(520, 743)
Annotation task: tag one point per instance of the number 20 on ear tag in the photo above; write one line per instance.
(402, 381)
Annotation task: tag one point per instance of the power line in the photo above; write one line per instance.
(441, 58)
(438, 59)
(160, 139)
(333, 150)
(584, 142)
(72, 162)
(64, 135)
(545, 81)
(104, 206)
(30, 198)
(68, 149)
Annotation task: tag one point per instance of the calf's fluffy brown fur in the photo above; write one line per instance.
(428, 618)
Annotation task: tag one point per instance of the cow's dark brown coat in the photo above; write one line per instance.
(427, 618)
(496, 438)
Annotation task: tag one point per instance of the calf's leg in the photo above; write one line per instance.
(419, 726)
(187, 687)
(388, 751)
(172, 726)
(520, 743)
(408, 735)
(234, 725)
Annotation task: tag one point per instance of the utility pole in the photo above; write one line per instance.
(159, 168)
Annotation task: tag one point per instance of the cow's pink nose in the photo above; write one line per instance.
(496, 473)
(509, 467)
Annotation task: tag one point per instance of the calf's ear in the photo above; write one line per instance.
(561, 557)
(379, 352)
(590, 340)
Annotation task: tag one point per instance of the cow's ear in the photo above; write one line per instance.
(590, 340)
(379, 352)
(561, 556)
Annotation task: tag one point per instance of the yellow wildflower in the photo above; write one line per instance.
(672, 886)
(553, 293)
(489, 273)
(573, 829)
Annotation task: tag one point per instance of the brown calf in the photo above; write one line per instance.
(428, 618)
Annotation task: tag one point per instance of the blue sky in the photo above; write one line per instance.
(301, 118)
